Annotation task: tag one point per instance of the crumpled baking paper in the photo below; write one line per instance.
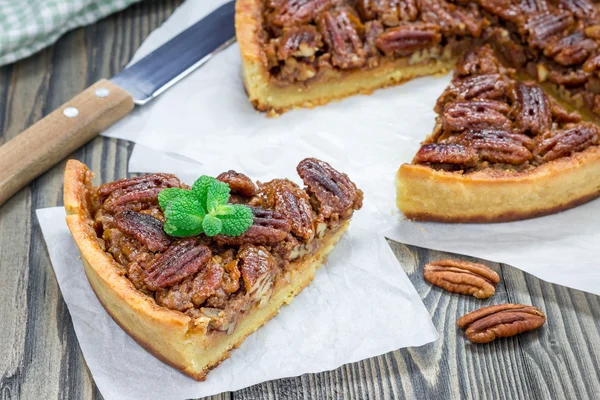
(208, 118)
(360, 305)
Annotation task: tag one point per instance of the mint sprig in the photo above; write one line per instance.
(203, 209)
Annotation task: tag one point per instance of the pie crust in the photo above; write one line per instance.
(424, 193)
(169, 335)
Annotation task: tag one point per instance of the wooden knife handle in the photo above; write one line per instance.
(57, 135)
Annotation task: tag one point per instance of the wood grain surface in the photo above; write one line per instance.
(40, 357)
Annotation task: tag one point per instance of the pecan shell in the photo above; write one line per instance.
(183, 259)
(145, 228)
(462, 277)
(406, 39)
(502, 320)
(333, 191)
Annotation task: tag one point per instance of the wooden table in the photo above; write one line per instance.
(40, 357)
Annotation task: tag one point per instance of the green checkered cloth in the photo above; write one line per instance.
(27, 26)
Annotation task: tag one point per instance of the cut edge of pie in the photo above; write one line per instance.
(168, 334)
(424, 193)
(274, 99)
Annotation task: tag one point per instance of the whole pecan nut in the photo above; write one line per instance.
(183, 259)
(334, 192)
(502, 320)
(462, 277)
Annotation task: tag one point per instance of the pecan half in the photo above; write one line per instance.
(446, 153)
(562, 116)
(136, 193)
(333, 191)
(570, 50)
(293, 203)
(488, 86)
(299, 41)
(406, 39)
(184, 258)
(450, 18)
(474, 115)
(531, 109)
(566, 76)
(462, 277)
(497, 146)
(502, 320)
(145, 228)
(298, 12)
(478, 61)
(542, 27)
(389, 12)
(339, 30)
(508, 46)
(238, 183)
(565, 142)
(503, 9)
(581, 8)
(257, 267)
(533, 6)
(269, 227)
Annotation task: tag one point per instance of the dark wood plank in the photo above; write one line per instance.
(558, 361)
(40, 357)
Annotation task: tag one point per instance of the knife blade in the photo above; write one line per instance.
(76, 122)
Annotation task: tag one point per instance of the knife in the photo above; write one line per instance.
(78, 121)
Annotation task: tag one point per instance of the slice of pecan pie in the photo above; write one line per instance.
(303, 53)
(191, 300)
(501, 150)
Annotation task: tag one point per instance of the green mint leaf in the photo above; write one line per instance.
(200, 188)
(168, 195)
(225, 209)
(211, 225)
(184, 216)
(218, 194)
(238, 221)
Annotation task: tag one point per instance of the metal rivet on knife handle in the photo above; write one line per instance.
(102, 92)
(71, 112)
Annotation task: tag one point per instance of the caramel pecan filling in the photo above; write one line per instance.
(215, 280)
(489, 120)
(551, 40)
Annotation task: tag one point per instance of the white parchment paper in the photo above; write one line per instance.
(360, 304)
(208, 119)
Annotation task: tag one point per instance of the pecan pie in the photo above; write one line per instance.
(191, 300)
(502, 149)
(302, 53)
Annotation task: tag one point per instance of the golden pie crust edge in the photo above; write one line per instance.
(266, 96)
(169, 335)
(424, 193)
